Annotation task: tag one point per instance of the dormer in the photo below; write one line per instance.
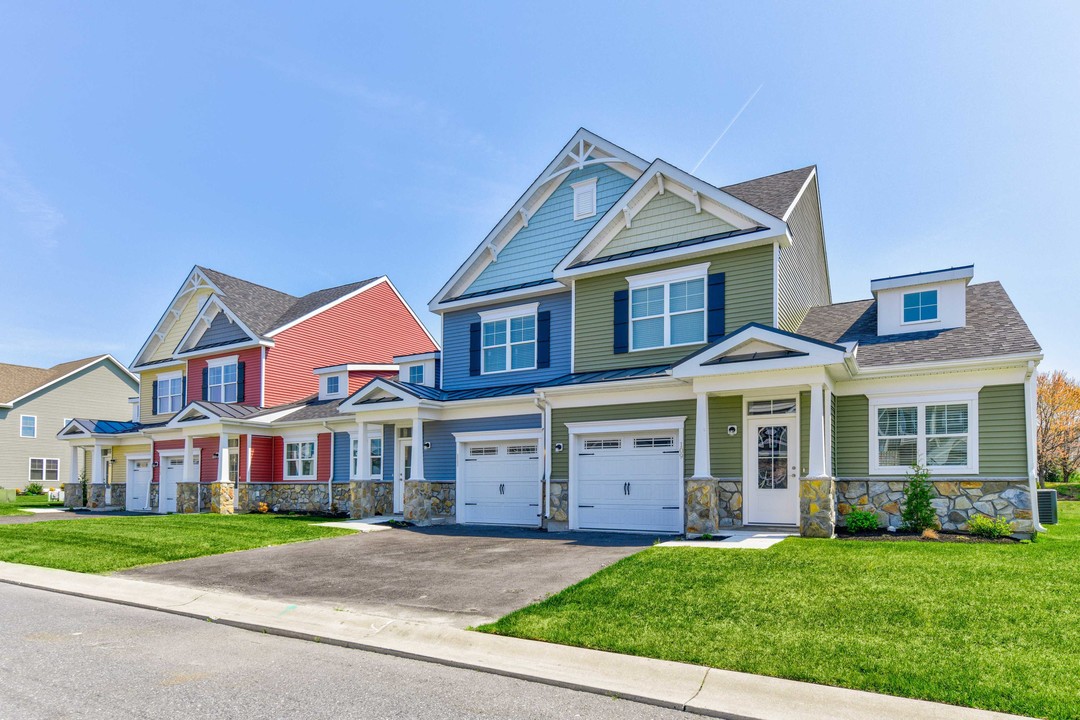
(337, 382)
(922, 302)
(419, 369)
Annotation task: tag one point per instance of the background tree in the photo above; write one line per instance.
(1058, 426)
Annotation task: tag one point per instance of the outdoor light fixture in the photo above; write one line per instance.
(427, 445)
(558, 447)
(732, 430)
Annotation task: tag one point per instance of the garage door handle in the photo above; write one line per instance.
(470, 503)
(671, 452)
(670, 507)
(534, 504)
(470, 459)
(586, 506)
(584, 454)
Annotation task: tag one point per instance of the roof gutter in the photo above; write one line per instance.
(1030, 406)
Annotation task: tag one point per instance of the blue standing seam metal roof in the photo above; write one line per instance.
(114, 427)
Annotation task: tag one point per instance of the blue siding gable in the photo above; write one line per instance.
(389, 442)
(440, 462)
(456, 346)
(534, 251)
(342, 456)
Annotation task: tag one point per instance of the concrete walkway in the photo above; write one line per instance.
(735, 540)
(701, 690)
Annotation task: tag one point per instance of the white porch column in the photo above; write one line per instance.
(249, 454)
(223, 458)
(73, 471)
(363, 462)
(702, 457)
(418, 449)
(829, 469)
(97, 466)
(189, 459)
(817, 432)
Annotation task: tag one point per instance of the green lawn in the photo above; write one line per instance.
(1066, 491)
(22, 501)
(101, 545)
(990, 626)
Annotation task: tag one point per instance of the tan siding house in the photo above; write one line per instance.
(36, 402)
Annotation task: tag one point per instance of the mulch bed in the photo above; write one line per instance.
(942, 537)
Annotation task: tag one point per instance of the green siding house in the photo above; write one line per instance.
(36, 403)
(711, 383)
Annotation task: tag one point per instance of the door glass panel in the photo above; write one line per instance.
(408, 462)
(772, 460)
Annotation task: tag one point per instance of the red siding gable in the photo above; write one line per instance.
(262, 459)
(360, 378)
(252, 359)
(371, 327)
(324, 457)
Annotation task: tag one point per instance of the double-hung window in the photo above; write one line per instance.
(373, 460)
(44, 470)
(170, 393)
(920, 306)
(508, 339)
(28, 426)
(300, 460)
(668, 308)
(221, 382)
(940, 434)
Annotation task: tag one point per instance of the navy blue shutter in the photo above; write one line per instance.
(206, 383)
(622, 321)
(717, 315)
(183, 391)
(543, 339)
(474, 349)
(153, 398)
(239, 382)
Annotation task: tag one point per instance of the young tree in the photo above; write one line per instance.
(1058, 418)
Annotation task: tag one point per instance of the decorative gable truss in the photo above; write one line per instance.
(219, 326)
(195, 285)
(584, 150)
(736, 222)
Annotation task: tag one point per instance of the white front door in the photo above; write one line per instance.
(629, 482)
(500, 483)
(772, 472)
(172, 472)
(403, 473)
(138, 485)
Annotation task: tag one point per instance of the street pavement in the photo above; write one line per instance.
(70, 657)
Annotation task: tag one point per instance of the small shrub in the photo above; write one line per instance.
(262, 508)
(988, 527)
(34, 489)
(929, 534)
(861, 521)
(917, 512)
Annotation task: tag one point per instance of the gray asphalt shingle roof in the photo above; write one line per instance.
(994, 327)
(18, 380)
(772, 193)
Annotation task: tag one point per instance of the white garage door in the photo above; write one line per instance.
(630, 482)
(138, 486)
(501, 483)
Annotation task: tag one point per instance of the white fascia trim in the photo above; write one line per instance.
(417, 357)
(160, 365)
(197, 280)
(662, 277)
(213, 302)
(505, 313)
(327, 306)
(548, 177)
(354, 367)
(816, 354)
(768, 236)
(49, 384)
(350, 403)
(726, 207)
(923, 278)
(611, 385)
(499, 435)
(974, 363)
(798, 196)
(529, 292)
(243, 345)
(624, 426)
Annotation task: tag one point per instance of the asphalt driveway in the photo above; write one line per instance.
(455, 574)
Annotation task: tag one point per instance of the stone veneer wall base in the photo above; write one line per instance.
(817, 507)
(430, 503)
(370, 498)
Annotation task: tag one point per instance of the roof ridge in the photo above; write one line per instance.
(247, 282)
(335, 287)
(770, 175)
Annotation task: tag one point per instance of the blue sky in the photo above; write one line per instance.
(308, 145)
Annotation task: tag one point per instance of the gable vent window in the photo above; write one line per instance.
(481, 451)
(521, 450)
(657, 442)
(584, 199)
(609, 444)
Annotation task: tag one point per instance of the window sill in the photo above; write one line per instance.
(666, 347)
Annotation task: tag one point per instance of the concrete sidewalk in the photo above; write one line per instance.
(719, 693)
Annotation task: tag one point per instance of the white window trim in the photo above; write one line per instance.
(422, 374)
(971, 399)
(920, 322)
(285, 458)
(44, 469)
(222, 362)
(164, 377)
(27, 437)
(665, 278)
(580, 214)
(506, 314)
(343, 385)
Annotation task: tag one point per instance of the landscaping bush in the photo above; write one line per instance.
(988, 527)
(917, 512)
(34, 489)
(861, 521)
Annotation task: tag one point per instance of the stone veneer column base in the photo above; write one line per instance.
(701, 506)
(817, 507)
(368, 498)
(560, 506)
(187, 497)
(96, 491)
(73, 495)
(222, 498)
(430, 503)
(729, 503)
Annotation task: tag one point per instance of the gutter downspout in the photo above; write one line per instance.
(545, 428)
(1030, 406)
(330, 479)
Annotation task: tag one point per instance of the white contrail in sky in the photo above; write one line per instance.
(717, 141)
